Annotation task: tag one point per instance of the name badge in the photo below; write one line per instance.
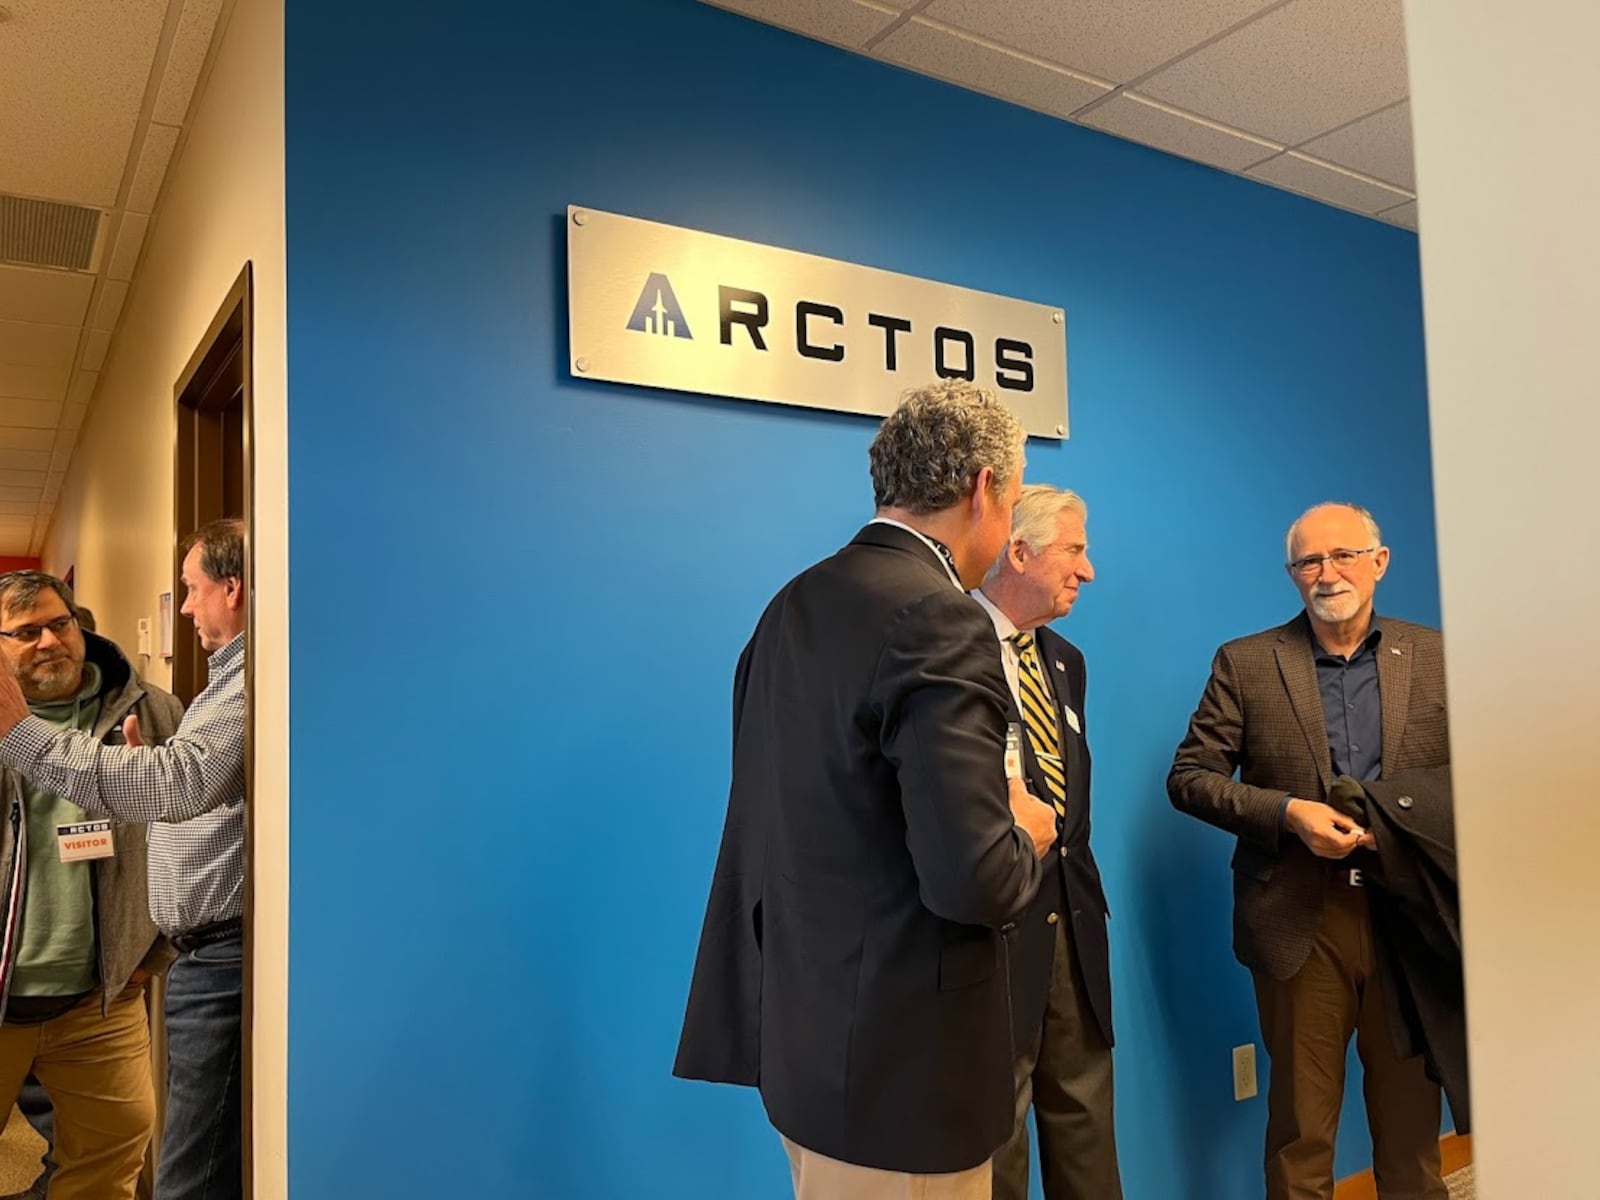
(1072, 719)
(1013, 751)
(86, 840)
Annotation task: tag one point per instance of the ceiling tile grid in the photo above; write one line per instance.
(1305, 95)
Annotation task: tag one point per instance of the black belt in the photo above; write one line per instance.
(218, 931)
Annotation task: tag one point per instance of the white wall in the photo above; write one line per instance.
(223, 205)
(1503, 107)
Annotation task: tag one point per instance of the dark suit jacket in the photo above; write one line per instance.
(850, 964)
(1071, 888)
(1411, 884)
(1261, 715)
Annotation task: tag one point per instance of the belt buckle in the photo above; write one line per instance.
(1355, 877)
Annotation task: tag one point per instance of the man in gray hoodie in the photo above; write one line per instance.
(78, 942)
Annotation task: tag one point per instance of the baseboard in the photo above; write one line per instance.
(1455, 1152)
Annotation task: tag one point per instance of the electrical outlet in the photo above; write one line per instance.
(1244, 1071)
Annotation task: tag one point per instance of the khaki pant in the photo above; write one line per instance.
(97, 1072)
(1306, 1023)
(818, 1177)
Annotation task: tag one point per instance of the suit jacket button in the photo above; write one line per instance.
(1052, 918)
(1063, 852)
(1405, 802)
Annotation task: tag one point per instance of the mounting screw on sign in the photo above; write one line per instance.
(1058, 317)
(582, 364)
(580, 217)
(1062, 430)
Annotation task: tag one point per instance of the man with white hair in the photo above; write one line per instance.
(1334, 692)
(1060, 965)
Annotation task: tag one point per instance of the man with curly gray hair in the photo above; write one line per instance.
(851, 962)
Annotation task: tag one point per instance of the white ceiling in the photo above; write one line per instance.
(1306, 95)
(94, 95)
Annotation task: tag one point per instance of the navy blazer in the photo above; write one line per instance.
(851, 964)
(1071, 889)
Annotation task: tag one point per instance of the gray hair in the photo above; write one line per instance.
(1367, 519)
(1036, 520)
(20, 589)
(221, 549)
(929, 450)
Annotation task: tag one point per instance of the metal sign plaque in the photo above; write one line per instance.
(664, 307)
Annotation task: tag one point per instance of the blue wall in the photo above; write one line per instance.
(517, 597)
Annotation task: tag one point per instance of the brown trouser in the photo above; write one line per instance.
(1065, 1076)
(96, 1070)
(1306, 1023)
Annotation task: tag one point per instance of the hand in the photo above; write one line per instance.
(1327, 832)
(130, 732)
(13, 704)
(1037, 819)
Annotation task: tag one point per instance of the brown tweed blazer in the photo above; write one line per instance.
(1261, 716)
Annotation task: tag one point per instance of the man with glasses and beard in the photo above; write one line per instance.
(79, 942)
(191, 790)
(1336, 691)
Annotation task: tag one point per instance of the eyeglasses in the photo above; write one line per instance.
(1311, 565)
(29, 635)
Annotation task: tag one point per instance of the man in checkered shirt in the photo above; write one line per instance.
(191, 790)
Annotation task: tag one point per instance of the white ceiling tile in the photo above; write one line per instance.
(1404, 214)
(28, 479)
(74, 80)
(94, 349)
(72, 416)
(24, 460)
(154, 156)
(24, 441)
(109, 310)
(130, 240)
(1379, 145)
(843, 22)
(1324, 181)
(1155, 124)
(1296, 72)
(23, 344)
(61, 456)
(32, 383)
(19, 413)
(19, 494)
(44, 297)
(983, 66)
(1111, 39)
(184, 60)
(18, 508)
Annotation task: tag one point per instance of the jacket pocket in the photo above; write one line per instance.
(968, 961)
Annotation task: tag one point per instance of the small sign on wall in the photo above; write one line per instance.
(664, 307)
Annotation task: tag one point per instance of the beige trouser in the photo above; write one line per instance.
(97, 1072)
(818, 1177)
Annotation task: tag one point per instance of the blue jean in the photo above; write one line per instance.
(200, 1151)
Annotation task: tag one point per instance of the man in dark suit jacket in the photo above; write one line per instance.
(1060, 965)
(851, 963)
(1333, 692)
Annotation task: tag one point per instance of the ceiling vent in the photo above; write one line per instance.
(44, 233)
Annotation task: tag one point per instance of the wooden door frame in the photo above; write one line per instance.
(237, 307)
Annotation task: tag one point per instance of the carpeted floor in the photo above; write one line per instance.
(1461, 1185)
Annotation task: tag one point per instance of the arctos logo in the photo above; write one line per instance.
(823, 332)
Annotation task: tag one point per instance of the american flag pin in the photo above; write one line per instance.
(1059, 667)
(1394, 650)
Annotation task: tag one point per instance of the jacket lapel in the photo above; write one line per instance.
(1394, 692)
(1299, 671)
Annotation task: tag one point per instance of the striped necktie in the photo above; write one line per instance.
(1038, 715)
